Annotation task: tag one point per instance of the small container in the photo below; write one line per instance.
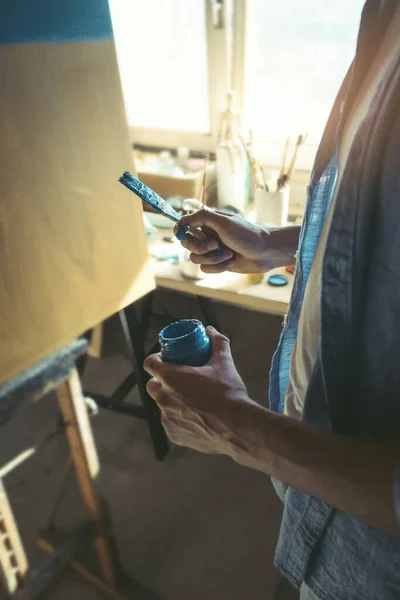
(232, 178)
(185, 342)
(271, 208)
(188, 269)
(255, 278)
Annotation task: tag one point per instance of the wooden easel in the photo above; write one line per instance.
(58, 373)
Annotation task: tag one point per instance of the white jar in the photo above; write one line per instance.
(187, 268)
(232, 179)
(271, 208)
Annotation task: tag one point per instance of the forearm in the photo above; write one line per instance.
(352, 474)
(281, 245)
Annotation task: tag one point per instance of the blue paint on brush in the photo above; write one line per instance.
(55, 21)
(148, 195)
(140, 189)
(157, 203)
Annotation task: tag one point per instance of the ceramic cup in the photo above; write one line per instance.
(271, 208)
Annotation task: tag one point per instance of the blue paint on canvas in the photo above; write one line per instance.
(57, 21)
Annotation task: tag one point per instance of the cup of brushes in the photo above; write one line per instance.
(272, 196)
(272, 206)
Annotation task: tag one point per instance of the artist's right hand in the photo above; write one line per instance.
(234, 245)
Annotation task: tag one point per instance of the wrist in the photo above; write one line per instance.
(246, 445)
(279, 246)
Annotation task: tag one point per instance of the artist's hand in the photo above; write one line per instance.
(200, 406)
(235, 245)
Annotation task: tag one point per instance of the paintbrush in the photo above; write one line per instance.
(257, 172)
(282, 171)
(150, 197)
(203, 194)
(282, 181)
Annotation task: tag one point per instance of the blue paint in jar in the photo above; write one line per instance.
(185, 342)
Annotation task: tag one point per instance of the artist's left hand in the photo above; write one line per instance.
(200, 406)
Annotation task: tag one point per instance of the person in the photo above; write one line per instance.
(331, 435)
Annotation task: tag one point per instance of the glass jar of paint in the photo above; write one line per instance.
(185, 342)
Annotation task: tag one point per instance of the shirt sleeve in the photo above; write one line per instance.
(397, 493)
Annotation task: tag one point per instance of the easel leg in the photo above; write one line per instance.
(134, 340)
(87, 467)
(13, 562)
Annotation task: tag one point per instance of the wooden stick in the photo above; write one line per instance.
(13, 561)
(204, 186)
(285, 151)
(293, 161)
(87, 571)
(258, 177)
(84, 455)
(264, 179)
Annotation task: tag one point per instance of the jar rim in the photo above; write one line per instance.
(176, 330)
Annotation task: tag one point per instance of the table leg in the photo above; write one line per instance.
(84, 455)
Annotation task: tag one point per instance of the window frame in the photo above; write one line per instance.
(217, 66)
(222, 76)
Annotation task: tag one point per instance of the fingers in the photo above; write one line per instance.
(166, 373)
(208, 218)
(160, 394)
(164, 400)
(159, 369)
(212, 258)
(154, 388)
(219, 342)
(199, 246)
(153, 364)
(179, 232)
(221, 351)
(227, 265)
(226, 213)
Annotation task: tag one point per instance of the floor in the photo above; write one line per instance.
(192, 527)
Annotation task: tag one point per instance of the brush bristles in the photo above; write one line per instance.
(127, 180)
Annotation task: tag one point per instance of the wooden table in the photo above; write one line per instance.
(232, 288)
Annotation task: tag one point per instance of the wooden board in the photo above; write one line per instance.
(72, 241)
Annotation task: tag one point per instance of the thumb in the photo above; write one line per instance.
(220, 344)
(208, 218)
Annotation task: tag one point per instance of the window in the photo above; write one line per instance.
(172, 66)
(285, 59)
(296, 56)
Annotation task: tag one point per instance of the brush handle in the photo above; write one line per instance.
(285, 151)
(151, 198)
(292, 162)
